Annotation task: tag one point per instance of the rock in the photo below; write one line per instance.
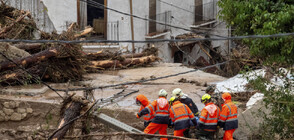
(21, 110)
(2, 113)
(17, 104)
(29, 110)
(6, 104)
(30, 138)
(15, 117)
(8, 111)
(250, 120)
(2, 118)
(23, 115)
(7, 118)
(12, 104)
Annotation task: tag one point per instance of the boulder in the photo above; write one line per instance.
(249, 120)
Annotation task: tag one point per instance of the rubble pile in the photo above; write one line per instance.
(240, 59)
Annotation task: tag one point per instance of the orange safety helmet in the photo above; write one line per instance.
(226, 96)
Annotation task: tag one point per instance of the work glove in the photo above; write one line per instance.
(196, 114)
(138, 116)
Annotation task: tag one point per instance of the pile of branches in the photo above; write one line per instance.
(241, 59)
(23, 63)
(30, 63)
(15, 24)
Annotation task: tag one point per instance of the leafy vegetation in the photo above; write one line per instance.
(263, 17)
(266, 17)
(279, 98)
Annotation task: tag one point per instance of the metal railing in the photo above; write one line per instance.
(206, 11)
(153, 27)
(113, 30)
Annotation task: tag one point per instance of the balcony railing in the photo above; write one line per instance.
(153, 27)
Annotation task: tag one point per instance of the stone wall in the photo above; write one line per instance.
(22, 118)
(12, 111)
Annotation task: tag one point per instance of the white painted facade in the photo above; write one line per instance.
(62, 13)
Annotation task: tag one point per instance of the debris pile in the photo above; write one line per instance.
(15, 24)
(25, 63)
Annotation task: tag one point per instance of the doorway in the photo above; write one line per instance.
(96, 18)
(178, 57)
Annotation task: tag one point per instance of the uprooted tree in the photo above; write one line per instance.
(263, 17)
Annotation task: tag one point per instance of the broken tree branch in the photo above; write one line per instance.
(72, 110)
(84, 32)
(28, 46)
(30, 59)
(201, 47)
(5, 29)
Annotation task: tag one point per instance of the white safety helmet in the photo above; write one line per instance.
(177, 92)
(162, 93)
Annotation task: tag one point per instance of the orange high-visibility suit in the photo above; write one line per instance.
(144, 103)
(181, 115)
(208, 120)
(228, 117)
(160, 122)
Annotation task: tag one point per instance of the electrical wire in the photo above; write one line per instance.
(148, 41)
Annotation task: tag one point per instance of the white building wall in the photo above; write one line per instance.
(181, 18)
(62, 13)
(140, 8)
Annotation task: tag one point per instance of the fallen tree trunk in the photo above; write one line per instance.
(136, 55)
(120, 64)
(28, 47)
(72, 107)
(41, 56)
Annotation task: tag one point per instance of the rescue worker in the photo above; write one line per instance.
(160, 109)
(143, 102)
(183, 98)
(180, 115)
(228, 117)
(208, 120)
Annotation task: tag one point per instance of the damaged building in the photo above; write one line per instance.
(194, 15)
